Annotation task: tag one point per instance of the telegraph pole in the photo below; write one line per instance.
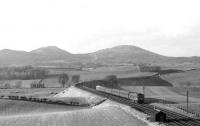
(187, 99)
(143, 88)
(187, 94)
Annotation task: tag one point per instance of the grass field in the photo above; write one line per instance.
(179, 79)
(84, 76)
(104, 116)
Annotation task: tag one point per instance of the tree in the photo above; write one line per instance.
(7, 86)
(112, 79)
(18, 84)
(63, 79)
(75, 78)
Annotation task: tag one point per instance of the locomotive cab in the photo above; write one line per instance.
(140, 98)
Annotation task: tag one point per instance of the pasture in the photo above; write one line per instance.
(102, 116)
(85, 75)
(180, 79)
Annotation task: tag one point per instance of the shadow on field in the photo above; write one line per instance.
(155, 100)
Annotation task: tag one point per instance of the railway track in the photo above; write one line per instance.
(173, 118)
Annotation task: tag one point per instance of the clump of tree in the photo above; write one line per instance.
(18, 84)
(75, 78)
(149, 68)
(63, 79)
(24, 73)
(112, 81)
(36, 84)
(7, 86)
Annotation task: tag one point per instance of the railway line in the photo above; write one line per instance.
(173, 118)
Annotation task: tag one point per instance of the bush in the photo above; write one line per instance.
(7, 86)
(18, 84)
(75, 78)
(112, 80)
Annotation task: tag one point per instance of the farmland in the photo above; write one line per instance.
(23, 113)
(86, 75)
(193, 107)
(104, 116)
(12, 107)
(179, 79)
(33, 92)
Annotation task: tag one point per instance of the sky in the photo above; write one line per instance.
(167, 27)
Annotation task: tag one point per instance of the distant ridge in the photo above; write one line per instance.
(115, 55)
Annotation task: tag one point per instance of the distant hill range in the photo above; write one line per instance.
(124, 54)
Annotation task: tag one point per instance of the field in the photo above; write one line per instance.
(168, 94)
(180, 79)
(193, 107)
(106, 116)
(25, 113)
(85, 75)
(40, 92)
(12, 107)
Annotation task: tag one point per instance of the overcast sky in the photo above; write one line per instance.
(167, 27)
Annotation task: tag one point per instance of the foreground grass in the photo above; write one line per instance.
(104, 116)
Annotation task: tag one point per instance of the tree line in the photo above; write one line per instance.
(23, 73)
(64, 78)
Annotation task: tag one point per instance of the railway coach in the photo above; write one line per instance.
(136, 97)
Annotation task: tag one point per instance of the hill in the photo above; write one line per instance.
(125, 54)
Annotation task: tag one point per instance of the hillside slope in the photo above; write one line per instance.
(124, 54)
(100, 116)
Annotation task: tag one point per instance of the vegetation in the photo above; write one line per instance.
(75, 78)
(145, 68)
(39, 84)
(61, 117)
(24, 73)
(63, 79)
(112, 80)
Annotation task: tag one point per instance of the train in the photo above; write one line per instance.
(135, 97)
